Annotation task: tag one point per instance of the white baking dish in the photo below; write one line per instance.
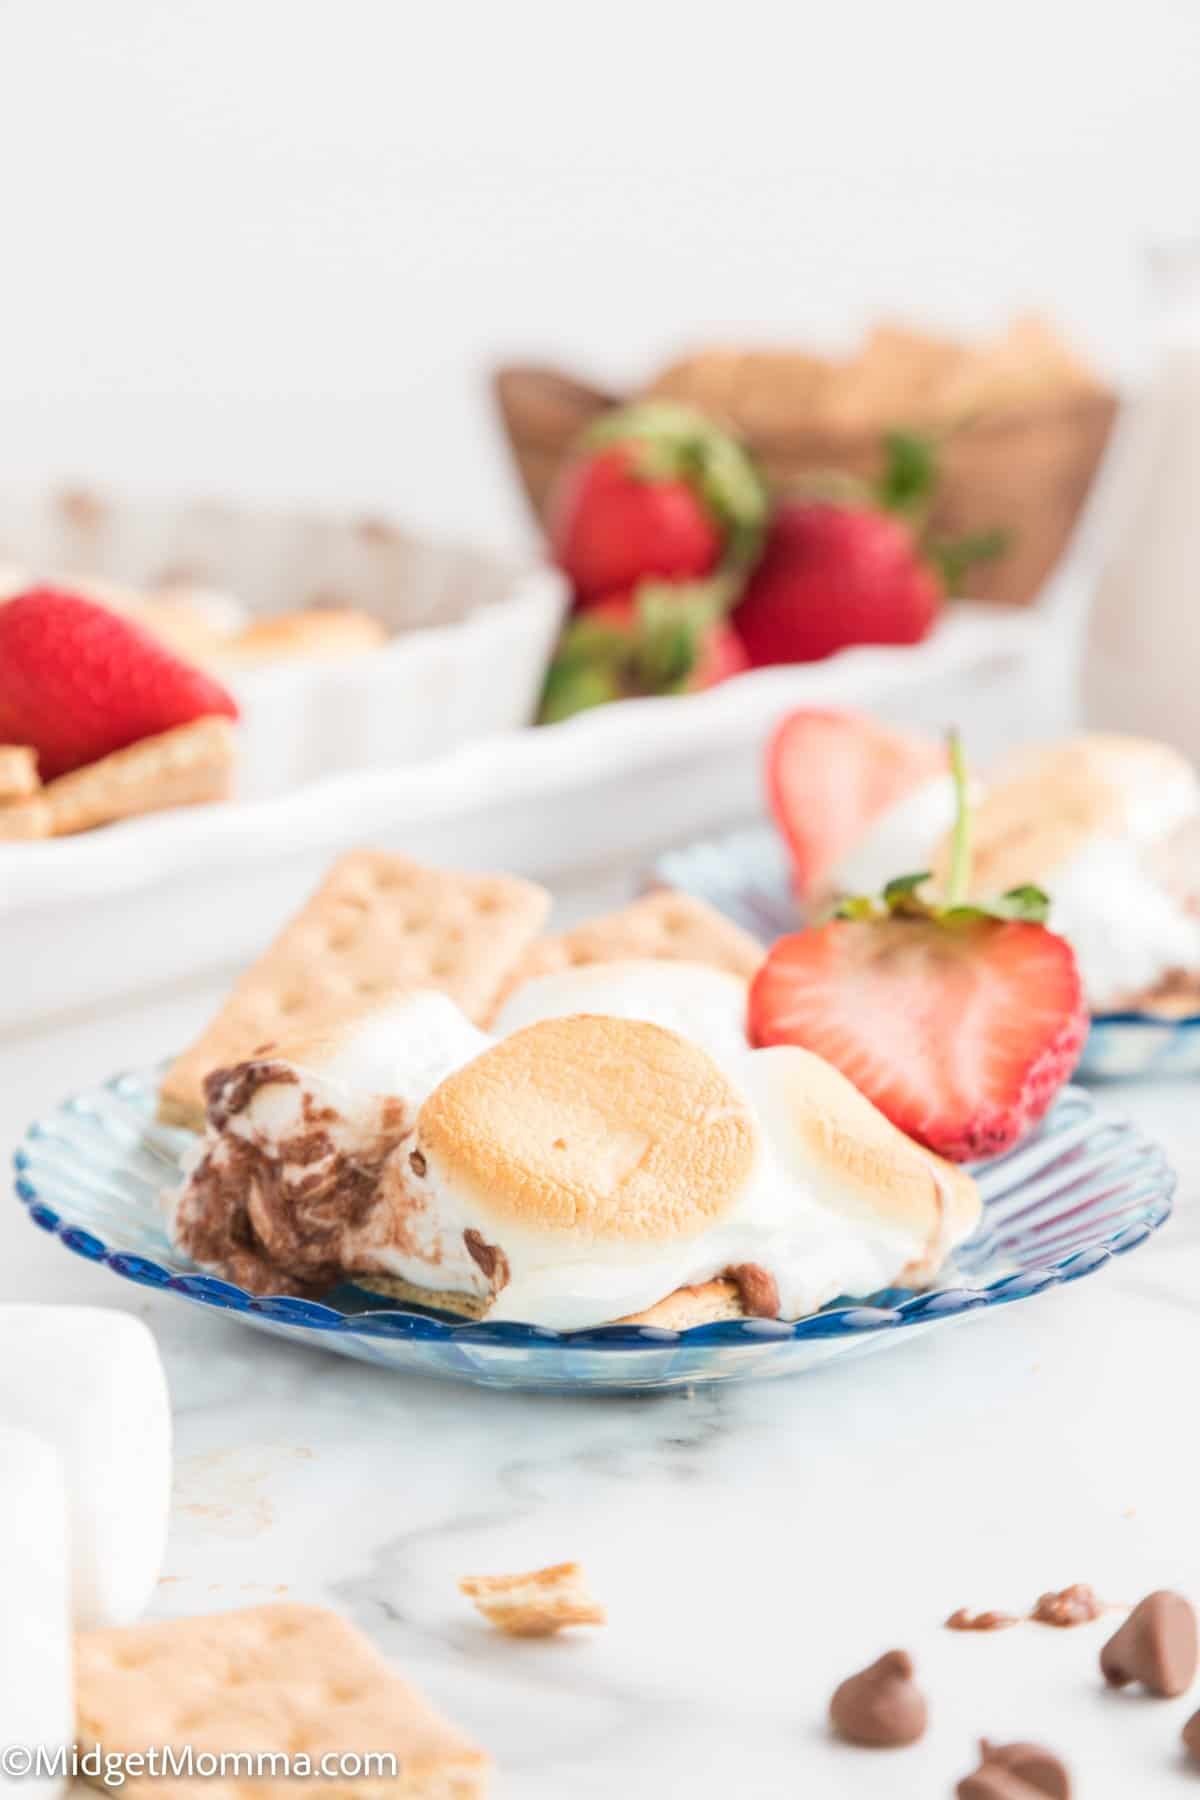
(174, 895)
(472, 631)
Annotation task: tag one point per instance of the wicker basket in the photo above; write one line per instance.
(1027, 469)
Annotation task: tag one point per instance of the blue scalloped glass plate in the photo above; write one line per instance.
(1079, 1191)
(745, 874)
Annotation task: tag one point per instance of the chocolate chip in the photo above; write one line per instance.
(1016, 1772)
(1191, 1737)
(1156, 1646)
(881, 1707)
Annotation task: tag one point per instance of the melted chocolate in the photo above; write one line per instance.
(1075, 1605)
(228, 1092)
(491, 1260)
(274, 1216)
(758, 1289)
(962, 1620)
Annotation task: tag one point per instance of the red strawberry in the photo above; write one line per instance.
(77, 681)
(830, 774)
(658, 640)
(609, 526)
(832, 576)
(858, 570)
(959, 1023)
(658, 492)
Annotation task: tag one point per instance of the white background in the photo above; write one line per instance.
(272, 249)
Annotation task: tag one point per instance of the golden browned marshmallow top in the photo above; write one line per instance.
(1047, 802)
(609, 1128)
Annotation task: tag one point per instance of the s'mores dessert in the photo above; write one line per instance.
(611, 1145)
(1108, 826)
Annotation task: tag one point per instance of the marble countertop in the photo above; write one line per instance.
(752, 1544)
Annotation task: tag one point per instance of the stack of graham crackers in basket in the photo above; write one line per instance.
(185, 767)
(381, 924)
(1019, 418)
(895, 374)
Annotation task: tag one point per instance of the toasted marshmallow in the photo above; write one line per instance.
(899, 841)
(704, 1004)
(903, 1208)
(573, 1172)
(606, 1163)
(1091, 820)
(402, 1046)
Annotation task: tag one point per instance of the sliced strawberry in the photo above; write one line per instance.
(831, 774)
(961, 1034)
(960, 1022)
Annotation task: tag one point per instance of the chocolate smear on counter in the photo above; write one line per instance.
(1156, 1646)
(1077, 1605)
(881, 1707)
(1016, 1772)
(962, 1620)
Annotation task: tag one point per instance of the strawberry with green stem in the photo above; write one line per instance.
(657, 491)
(960, 1021)
(848, 563)
(660, 639)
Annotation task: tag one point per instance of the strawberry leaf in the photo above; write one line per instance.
(673, 623)
(910, 474)
(901, 898)
(955, 556)
(573, 687)
(1028, 902)
(652, 647)
(859, 906)
(908, 486)
(902, 886)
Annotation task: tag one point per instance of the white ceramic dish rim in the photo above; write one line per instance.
(534, 588)
(517, 765)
